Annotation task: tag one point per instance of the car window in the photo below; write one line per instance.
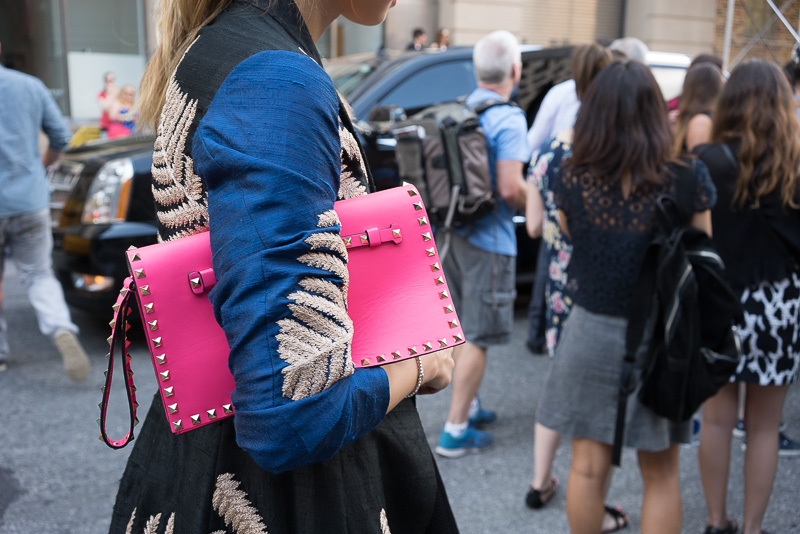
(349, 75)
(437, 83)
(670, 80)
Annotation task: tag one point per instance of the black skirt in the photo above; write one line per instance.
(202, 482)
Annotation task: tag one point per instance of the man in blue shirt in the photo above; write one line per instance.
(480, 267)
(25, 230)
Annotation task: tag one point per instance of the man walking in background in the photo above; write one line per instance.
(25, 229)
(480, 267)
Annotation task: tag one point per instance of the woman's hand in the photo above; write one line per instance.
(438, 369)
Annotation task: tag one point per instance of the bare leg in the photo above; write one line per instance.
(467, 375)
(763, 407)
(588, 479)
(545, 445)
(714, 452)
(661, 503)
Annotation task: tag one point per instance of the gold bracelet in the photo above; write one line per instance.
(420, 378)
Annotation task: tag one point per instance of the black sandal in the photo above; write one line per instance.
(538, 498)
(732, 528)
(620, 518)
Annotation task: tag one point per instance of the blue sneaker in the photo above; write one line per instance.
(482, 418)
(471, 441)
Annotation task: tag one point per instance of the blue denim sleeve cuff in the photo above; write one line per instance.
(314, 429)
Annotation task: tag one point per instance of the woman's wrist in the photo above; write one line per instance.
(420, 378)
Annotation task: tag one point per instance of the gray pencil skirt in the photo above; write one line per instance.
(580, 396)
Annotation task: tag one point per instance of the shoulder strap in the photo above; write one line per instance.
(487, 104)
(685, 189)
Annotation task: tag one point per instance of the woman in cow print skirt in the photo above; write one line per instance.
(754, 163)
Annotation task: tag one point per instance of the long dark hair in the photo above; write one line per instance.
(622, 132)
(701, 88)
(756, 106)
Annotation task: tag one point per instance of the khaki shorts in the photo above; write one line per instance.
(482, 285)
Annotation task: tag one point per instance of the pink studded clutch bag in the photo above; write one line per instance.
(398, 301)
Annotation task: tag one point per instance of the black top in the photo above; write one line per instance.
(757, 245)
(610, 234)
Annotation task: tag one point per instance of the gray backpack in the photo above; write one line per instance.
(442, 151)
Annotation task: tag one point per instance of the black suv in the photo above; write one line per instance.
(101, 198)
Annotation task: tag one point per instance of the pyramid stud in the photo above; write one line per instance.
(161, 359)
(103, 390)
(135, 422)
(458, 338)
(148, 308)
(157, 342)
(152, 325)
(139, 273)
(115, 307)
(227, 409)
(131, 247)
(417, 206)
(422, 221)
(426, 236)
(135, 256)
(123, 291)
(112, 323)
(439, 280)
(396, 354)
(412, 193)
(435, 267)
(443, 295)
(364, 239)
(453, 323)
(177, 425)
(100, 437)
(412, 351)
(170, 391)
(99, 422)
(365, 362)
(381, 358)
(448, 309)
(427, 346)
(212, 414)
(430, 251)
(110, 340)
(144, 290)
(443, 342)
(396, 233)
(348, 241)
(164, 375)
(135, 405)
(196, 419)
(195, 282)
(172, 408)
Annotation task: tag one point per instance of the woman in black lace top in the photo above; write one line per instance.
(621, 162)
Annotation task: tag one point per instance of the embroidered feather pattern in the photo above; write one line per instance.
(233, 505)
(384, 523)
(353, 168)
(179, 194)
(316, 340)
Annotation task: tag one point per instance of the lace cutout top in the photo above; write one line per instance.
(610, 234)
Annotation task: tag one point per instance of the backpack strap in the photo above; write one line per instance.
(488, 104)
(643, 305)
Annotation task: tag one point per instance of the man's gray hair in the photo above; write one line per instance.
(632, 47)
(494, 55)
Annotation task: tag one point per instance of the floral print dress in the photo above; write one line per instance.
(544, 172)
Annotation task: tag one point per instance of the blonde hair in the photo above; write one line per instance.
(177, 23)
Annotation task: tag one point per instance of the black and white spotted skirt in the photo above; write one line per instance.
(771, 333)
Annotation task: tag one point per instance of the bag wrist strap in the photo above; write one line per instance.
(119, 329)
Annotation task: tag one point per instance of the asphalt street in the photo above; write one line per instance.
(57, 478)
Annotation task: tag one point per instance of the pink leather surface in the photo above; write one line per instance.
(398, 301)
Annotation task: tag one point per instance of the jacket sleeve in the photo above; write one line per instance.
(52, 121)
(268, 150)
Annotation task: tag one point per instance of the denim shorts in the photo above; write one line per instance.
(482, 285)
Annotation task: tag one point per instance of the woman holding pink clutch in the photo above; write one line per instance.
(255, 146)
